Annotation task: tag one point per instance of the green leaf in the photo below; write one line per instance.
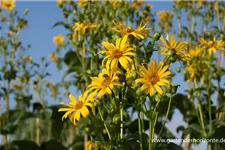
(71, 59)
(27, 115)
(193, 129)
(10, 74)
(218, 123)
(180, 128)
(165, 132)
(9, 129)
(57, 122)
(221, 109)
(173, 146)
(134, 125)
(132, 141)
(53, 145)
(14, 117)
(61, 23)
(26, 145)
(23, 98)
(185, 106)
(11, 125)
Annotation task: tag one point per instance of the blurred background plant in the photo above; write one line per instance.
(191, 36)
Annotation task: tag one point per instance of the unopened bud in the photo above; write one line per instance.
(156, 36)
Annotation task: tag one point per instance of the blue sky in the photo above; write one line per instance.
(39, 34)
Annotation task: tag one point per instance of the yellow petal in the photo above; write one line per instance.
(84, 111)
(72, 98)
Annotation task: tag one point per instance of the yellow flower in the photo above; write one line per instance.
(191, 72)
(165, 15)
(104, 83)
(121, 52)
(7, 4)
(53, 57)
(149, 6)
(28, 58)
(213, 45)
(153, 77)
(116, 3)
(82, 3)
(140, 32)
(60, 2)
(131, 73)
(18, 86)
(195, 52)
(196, 69)
(170, 44)
(138, 3)
(59, 39)
(90, 145)
(83, 27)
(75, 109)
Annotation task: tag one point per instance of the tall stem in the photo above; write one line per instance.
(150, 133)
(167, 113)
(150, 142)
(209, 100)
(121, 120)
(5, 138)
(140, 131)
(106, 128)
(38, 131)
(5, 142)
(199, 107)
(201, 119)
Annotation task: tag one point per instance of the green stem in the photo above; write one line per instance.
(142, 122)
(100, 113)
(38, 131)
(5, 137)
(201, 119)
(5, 141)
(209, 101)
(140, 131)
(167, 113)
(199, 107)
(156, 117)
(151, 134)
(121, 120)
(96, 129)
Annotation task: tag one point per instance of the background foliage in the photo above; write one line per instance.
(38, 125)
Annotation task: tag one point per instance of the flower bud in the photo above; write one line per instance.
(65, 14)
(156, 36)
(158, 98)
(116, 119)
(87, 129)
(173, 58)
(178, 69)
(171, 52)
(25, 12)
(174, 89)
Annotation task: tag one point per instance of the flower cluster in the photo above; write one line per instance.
(7, 4)
(120, 59)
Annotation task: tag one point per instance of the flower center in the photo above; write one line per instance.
(129, 30)
(8, 5)
(117, 53)
(79, 105)
(106, 81)
(212, 44)
(154, 79)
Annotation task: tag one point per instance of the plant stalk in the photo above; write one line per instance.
(140, 131)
